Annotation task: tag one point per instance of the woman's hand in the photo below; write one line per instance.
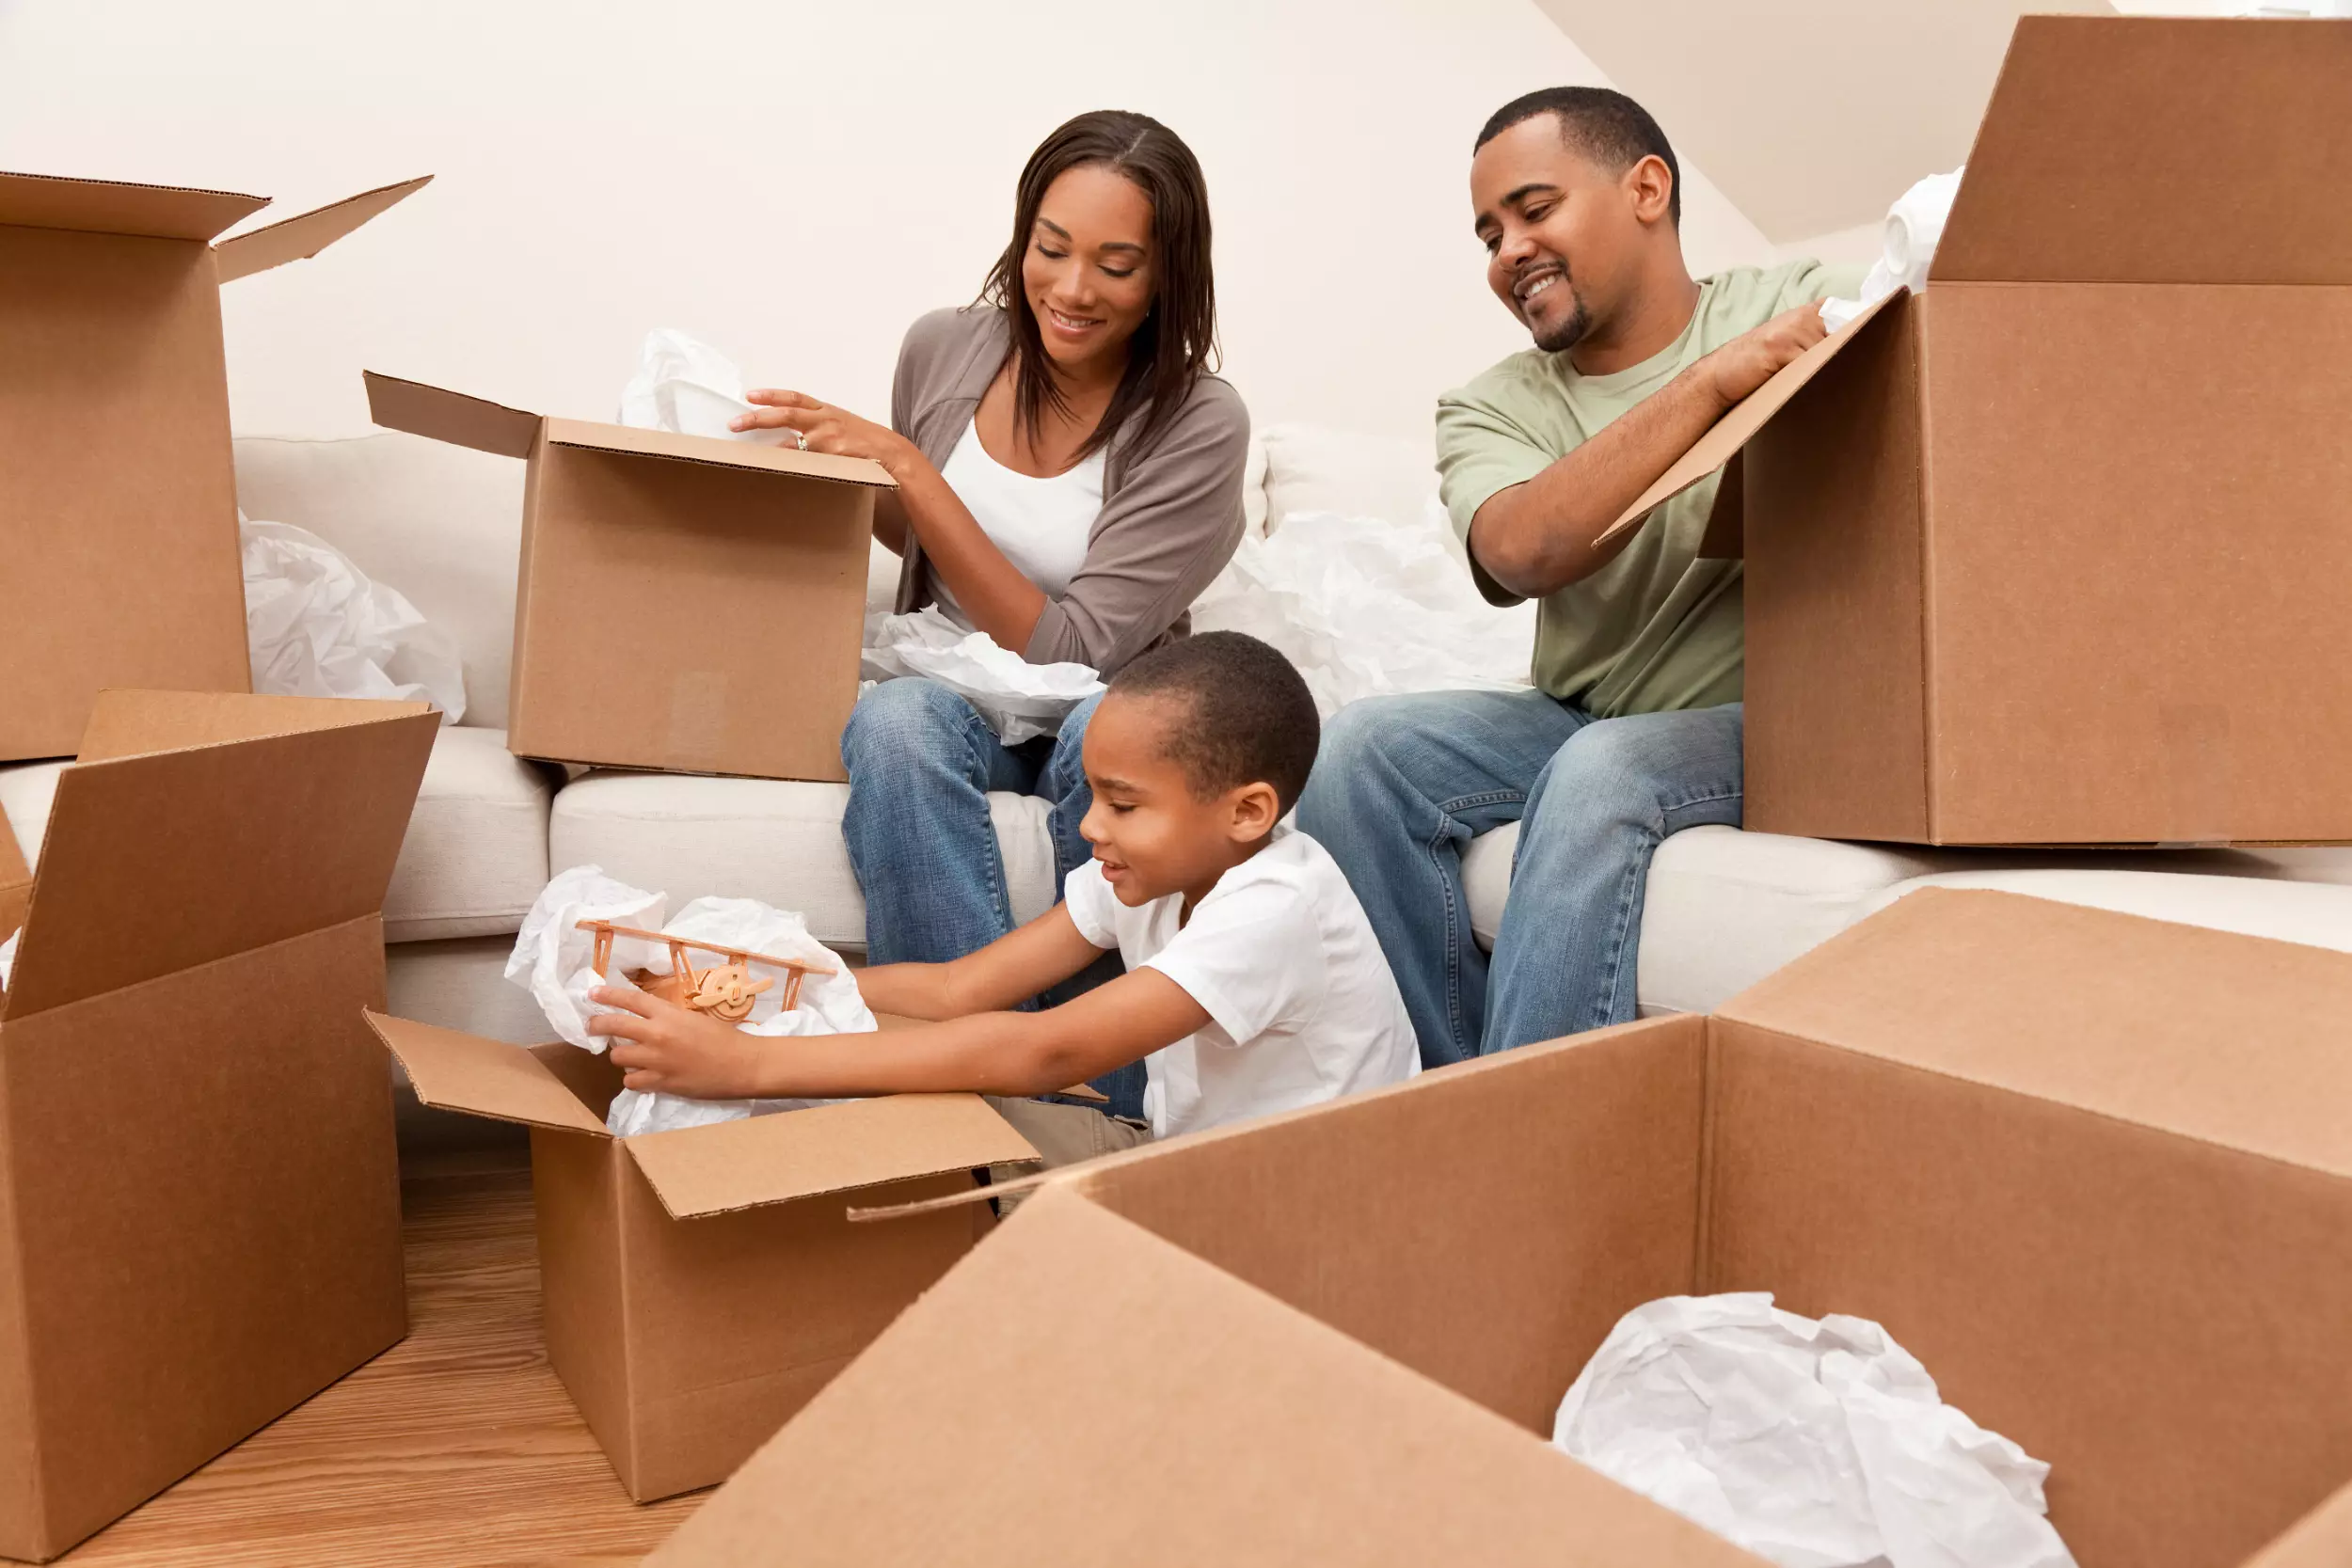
(666, 1049)
(824, 428)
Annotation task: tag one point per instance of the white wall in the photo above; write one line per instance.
(794, 181)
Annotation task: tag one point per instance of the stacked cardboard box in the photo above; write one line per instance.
(118, 504)
(2052, 552)
(2092, 1170)
(196, 1164)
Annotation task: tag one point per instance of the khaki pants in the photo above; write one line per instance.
(1062, 1135)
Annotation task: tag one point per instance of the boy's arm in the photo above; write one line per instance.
(1008, 972)
(661, 1047)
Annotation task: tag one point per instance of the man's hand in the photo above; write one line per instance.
(1754, 357)
(663, 1048)
(825, 428)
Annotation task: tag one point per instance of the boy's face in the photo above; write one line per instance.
(1151, 835)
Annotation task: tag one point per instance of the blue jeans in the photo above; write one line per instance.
(1402, 785)
(922, 763)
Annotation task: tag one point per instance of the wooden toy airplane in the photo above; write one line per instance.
(725, 991)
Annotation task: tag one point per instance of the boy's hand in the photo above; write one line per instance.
(663, 1048)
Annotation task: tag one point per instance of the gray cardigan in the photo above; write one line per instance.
(1171, 507)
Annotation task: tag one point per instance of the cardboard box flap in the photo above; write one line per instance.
(1724, 438)
(451, 416)
(120, 207)
(124, 723)
(2231, 1039)
(2147, 149)
(825, 1149)
(1244, 1432)
(709, 449)
(456, 1072)
(154, 865)
(294, 238)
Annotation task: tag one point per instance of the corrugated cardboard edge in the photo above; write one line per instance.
(2320, 1538)
(453, 1071)
(440, 415)
(127, 722)
(306, 234)
(125, 207)
(759, 1160)
(1727, 436)
(583, 434)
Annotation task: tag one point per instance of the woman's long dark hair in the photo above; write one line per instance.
(1176, 342)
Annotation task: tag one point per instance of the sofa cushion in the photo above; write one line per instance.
(773, 840)
(462, 985)
(2297, 910)
(476, 851)
(1312, 468)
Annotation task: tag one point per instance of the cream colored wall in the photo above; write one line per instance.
(794, 181)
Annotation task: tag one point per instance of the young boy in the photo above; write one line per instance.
(1253, 984)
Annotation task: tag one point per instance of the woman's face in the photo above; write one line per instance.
(1087, 272)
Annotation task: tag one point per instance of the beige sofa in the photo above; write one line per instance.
(440, 523)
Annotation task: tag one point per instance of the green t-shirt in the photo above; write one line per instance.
(1656, 627)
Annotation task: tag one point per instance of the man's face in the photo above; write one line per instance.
(1560, 231)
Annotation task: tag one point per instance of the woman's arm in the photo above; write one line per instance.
(1009, 971)
(1000, 601)
(664, 1049)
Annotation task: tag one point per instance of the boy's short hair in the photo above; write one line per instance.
(1252, 719)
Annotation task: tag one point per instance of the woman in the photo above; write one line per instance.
(1068, 480)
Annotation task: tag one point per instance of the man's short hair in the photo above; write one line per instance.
(1251, 719)
(1603, 124)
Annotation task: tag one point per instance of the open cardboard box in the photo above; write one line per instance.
(683, 603)
(2052, 552)
(700, 1285)
(200, 1197)
(2095, 1171)
(118, 503)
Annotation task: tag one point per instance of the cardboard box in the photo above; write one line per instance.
(2052, 552)
(2095, 1171)
(201, 1193)
(118, 504)
(700, 1285)
(683, 603)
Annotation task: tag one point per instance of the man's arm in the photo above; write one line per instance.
(663, 1048)
(1008, 972)
(1536, 538)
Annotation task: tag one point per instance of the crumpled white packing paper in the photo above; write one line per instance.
(684, 385)
(1816, 1445)
(1021, 700)
(318, 627)
(1913, 226)
(552, 959)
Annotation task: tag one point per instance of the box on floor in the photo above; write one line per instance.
(700, 1285)
(117, 505)
(682, 603)
(198, 1167)
(2092, 1170)
(2052, 551)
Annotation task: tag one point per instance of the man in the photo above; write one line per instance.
(1633, 732)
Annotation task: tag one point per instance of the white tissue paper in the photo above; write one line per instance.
(1021, 700)
(7, 958)
(552, 959)
(1367, 607)
(1816, 1445)
(318, 627)
(1914, 225)
(683, 384)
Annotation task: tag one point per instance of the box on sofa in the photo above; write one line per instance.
(2093, 1170)
(2051, 553)
(117, 509)
(701, 1284)
(682, 603)
(196, 1170)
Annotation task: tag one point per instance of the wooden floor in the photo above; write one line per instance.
(456, 1446)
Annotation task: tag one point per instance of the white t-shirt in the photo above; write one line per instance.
(1301, 1005)
(1039, 524)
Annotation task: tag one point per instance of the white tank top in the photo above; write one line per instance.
(1039, 524)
